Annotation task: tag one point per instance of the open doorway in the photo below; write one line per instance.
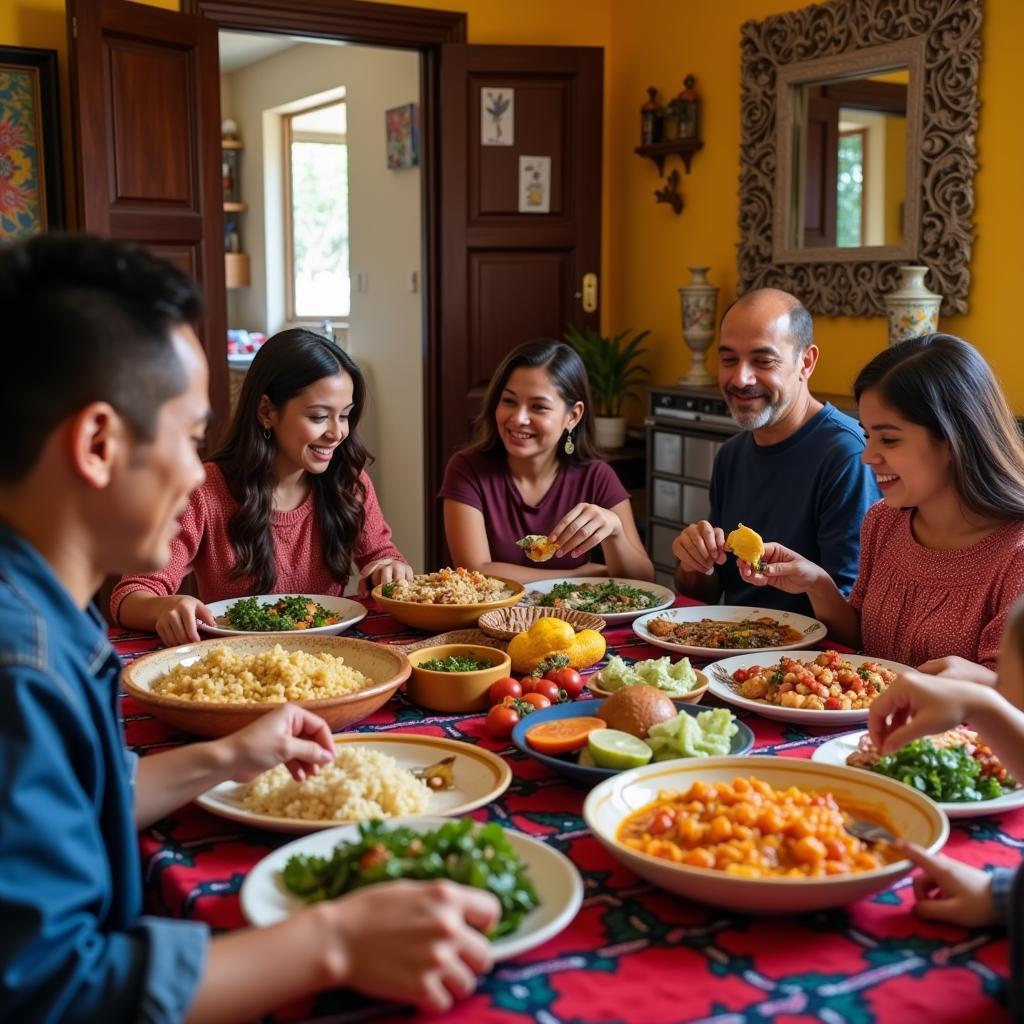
(323, 231)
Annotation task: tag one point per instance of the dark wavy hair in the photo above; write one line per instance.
(569, 376)
(942, 383)
(286, 365)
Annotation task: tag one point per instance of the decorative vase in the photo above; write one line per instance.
(913, 308)
(609, 431)
(699, 299)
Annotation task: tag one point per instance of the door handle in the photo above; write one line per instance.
(588, 293)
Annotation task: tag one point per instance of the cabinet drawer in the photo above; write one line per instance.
(668, 452)
(661, 544)
(696, 503)
(699, 456)
(667, 499)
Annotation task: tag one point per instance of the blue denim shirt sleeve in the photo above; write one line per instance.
(74, 946)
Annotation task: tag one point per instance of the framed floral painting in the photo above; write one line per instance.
(31, 193)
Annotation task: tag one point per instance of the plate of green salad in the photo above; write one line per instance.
(956, 770)
(539, 888)
(283, 613)
(614, 600)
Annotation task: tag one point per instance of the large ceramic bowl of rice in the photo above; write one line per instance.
(446, 599)
(217, 686)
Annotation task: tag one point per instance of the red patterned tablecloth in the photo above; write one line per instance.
(634, 954)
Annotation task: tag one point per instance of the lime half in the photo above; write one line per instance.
(612, 748)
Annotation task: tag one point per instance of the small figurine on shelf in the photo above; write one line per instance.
(652, 119)
(232, 240)
(228, 130)
(685, 109)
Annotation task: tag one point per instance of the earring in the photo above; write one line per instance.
(266, 433)
(569, 446)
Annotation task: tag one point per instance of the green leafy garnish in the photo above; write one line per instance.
(549, 664)
(946, 774)
(283, 615)
(464, 851)
(387, 589)
(454, 663)
(598, 598)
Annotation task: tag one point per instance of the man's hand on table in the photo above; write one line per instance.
(416, 942)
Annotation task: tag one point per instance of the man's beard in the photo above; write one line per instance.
(756, 420)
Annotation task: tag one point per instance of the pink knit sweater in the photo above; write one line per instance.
(917, 603)
(203, 546)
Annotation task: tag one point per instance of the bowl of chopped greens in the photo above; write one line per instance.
(283, 613)
(455, 677)
(694, 733)
(614, 600)
(538, 887)
(679, 680)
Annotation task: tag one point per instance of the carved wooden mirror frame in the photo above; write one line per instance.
(948, 34)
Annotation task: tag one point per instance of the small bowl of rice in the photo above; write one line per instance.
(447, 599)
(217, 686)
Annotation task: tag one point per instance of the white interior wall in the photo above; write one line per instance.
(385, 329)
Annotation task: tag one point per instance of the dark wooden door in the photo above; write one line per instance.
(822, 162)
(146, 113)
(507, 276)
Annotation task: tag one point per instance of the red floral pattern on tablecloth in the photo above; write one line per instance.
(634, 954)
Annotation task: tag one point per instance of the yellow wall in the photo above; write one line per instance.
(656, 43)
(646, 247)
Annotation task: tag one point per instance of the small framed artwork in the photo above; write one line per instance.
(535, 184)
(497, 117)
(31, 190)
(402, 125)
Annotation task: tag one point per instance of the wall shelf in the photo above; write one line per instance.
(658, 151)
(236, 207)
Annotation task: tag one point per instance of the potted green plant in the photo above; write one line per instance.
(614, 370)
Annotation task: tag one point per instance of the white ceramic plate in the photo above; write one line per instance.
(910, 814)
(480, 777)
(811, 630)
(828, 719)
(349, 612)
(837, 750)
(557, 883)
(665, 596)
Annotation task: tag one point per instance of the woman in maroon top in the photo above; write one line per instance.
(942, 555)
(532, 469)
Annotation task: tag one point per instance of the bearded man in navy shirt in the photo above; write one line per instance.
(794, 473)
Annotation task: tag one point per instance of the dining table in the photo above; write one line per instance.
(634, 953)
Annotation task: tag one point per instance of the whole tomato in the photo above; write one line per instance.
(502, 688)
(538, 700)
(567, 679)
(547, 688)
(501, 720)
(529, 684)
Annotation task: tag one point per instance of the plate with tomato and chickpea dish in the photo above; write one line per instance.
(823, 688)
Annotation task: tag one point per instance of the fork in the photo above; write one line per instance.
(723, 677)
(867, 831)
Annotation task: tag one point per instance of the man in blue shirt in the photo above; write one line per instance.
(98, 460)
(793, 474)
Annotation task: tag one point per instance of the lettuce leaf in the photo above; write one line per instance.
(679, 678)
(708, 734)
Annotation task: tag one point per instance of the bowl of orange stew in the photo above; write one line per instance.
(760, 834)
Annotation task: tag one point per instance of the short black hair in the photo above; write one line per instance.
(86, 319)
(801, 323)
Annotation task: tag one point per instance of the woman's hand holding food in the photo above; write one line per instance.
(288, 735)
(176, 619)
(384, 570)
(417, 942)
(583, 528)
(700, 547)
(785, 570)
(950, 891)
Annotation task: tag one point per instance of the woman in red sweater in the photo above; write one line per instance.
(286, 506)
(942, 555)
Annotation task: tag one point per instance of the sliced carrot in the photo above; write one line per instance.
(562, 735)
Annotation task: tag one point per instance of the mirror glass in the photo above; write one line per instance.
(850, 166)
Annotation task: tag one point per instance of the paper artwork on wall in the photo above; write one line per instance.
(497, 117)
(403, 137)
(535, 184)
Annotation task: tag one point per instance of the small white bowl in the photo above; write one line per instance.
(911, 816)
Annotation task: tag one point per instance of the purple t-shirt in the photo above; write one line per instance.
(483, 482)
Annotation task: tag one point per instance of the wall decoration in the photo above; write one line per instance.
(31, 190)
(497, 117)
(535, 184)
(403, 136)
